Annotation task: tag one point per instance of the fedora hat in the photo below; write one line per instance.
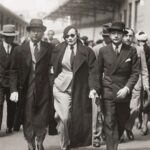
(9, 30)
(36, 23)
(118, 26)
(105, 31)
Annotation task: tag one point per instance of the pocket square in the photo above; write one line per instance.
(127, 60)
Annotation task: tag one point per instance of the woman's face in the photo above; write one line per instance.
(71, 37)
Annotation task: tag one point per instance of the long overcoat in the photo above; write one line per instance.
(21, 65)
(84, 79)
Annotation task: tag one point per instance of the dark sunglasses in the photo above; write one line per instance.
(71, 35)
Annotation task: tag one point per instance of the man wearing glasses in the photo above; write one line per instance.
(119, 70)
(75, 81)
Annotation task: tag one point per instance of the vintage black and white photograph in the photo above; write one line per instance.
(74, 74)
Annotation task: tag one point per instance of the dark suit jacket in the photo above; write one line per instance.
(117, 72)
(4, 64)
(21, 64)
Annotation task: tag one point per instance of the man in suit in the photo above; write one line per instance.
(30, 67)
(6, 50)
(119, 70)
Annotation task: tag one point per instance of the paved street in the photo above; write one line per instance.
(15, 141)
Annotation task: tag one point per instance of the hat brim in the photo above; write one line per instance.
(9, 34)
(28, 28)
(117, 29)
(104, 34)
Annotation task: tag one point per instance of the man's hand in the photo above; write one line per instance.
(122, 92)
(93, 94)
(14, 96)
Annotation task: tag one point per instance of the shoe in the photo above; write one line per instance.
(144, 131)
(96, 142)
(130, 135)
(122, 139)
(8, 131)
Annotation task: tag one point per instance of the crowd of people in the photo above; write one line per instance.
(88, 94)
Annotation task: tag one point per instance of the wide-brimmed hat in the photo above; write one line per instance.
(9, 30)
(36, 23)
(117, 26)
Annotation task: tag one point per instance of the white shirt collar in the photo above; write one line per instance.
(6, 46)
(119, 47)
(32, 45)
(75, 48)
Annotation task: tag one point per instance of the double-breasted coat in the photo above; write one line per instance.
(116, 72)
(21, 67)
(84, 79)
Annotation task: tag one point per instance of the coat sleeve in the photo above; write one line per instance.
(100, 68)
(93, 73)
(14, 71)
(135, 70)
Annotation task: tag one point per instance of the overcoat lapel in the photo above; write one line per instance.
(124, 53)
(80, 58)
(27, 54)
(59, 57)
(42, 52)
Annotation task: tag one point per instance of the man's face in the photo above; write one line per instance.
(116, 37)
(36, 34)
(71, 37)
(50, 35)
(129, 37)
(8, 39)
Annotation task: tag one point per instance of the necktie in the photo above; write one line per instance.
(72, 56)
(36, 51)
(117, 51)
(7, 51)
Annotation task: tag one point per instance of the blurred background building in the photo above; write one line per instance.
(89, 15)
(9, 17)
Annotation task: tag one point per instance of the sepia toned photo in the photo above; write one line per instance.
(74, 75)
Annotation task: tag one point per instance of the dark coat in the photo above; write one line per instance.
(118, 71)
(21, 64)
(5, 64)
(84, 79)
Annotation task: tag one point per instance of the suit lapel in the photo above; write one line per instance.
(121, 58)
(80, 57)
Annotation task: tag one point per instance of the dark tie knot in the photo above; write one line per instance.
(35, 44)
(71, 47)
